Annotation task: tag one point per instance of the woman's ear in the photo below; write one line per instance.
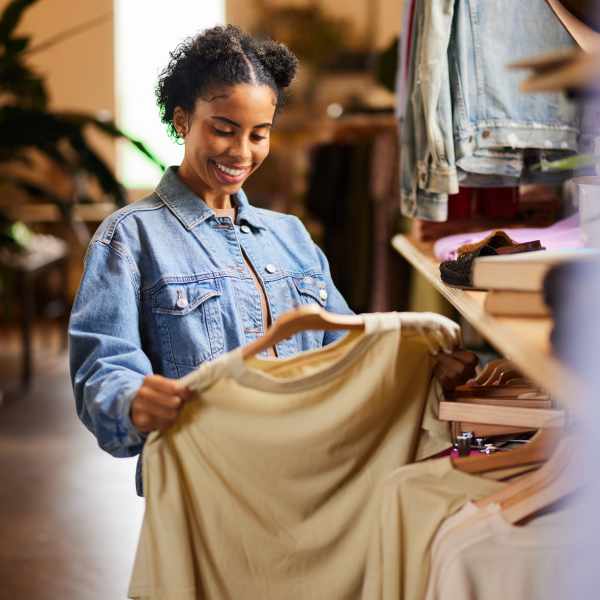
(180, 121)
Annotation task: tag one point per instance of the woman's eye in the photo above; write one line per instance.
(222, 132)
(258, 138)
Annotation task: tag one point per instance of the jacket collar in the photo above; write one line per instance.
(191, 210)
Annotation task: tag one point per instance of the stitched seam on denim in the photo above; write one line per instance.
(122, 249)
(193, 278)
(188, 309)
(472, 128)
(188, 225)
(270, 316)
(305, 291)
(133, 275)
(126, 212)
(479, 72)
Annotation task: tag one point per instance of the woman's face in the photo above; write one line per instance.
(226, 139)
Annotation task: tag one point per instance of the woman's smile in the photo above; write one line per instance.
(229, 175)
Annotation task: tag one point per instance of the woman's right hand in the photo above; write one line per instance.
(158, 403)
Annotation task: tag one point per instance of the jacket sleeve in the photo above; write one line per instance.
(106, 359)
(335, 300)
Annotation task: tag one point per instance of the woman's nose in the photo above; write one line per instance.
(240, 148)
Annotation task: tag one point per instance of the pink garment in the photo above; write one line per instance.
(562, 235)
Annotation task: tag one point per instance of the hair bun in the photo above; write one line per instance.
(219, 43)
(279, 61)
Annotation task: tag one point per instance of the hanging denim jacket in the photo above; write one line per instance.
(466, 121)
(490, 113)
(165, 288)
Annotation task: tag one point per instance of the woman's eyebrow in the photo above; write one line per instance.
(230, 122)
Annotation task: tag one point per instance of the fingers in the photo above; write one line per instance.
(158, 403)
(448, 336)
(167, 386)
(448, 372)
(455, 369)
(466, 357)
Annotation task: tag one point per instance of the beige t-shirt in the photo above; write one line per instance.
(483, 557)
(416, 500)
(267, 485)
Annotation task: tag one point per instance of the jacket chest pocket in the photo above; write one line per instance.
(309, 289)
(189, 321)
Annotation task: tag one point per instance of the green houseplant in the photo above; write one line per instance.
(28, 127)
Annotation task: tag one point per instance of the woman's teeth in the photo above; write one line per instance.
(230, 171)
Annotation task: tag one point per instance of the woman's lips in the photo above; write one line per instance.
(229, 175)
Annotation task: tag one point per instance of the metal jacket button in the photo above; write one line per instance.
(271, 268)
(323, 294)
(245, 229)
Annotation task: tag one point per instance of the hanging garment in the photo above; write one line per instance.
(416, 500)
(480, 556)
(266, 487)
(465, 120)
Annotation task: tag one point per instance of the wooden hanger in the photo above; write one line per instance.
(538, 450)
(493, 391)
(298, 319)
(496, 372)
(552, 482)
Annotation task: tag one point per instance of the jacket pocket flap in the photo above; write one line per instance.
(183, 298)
(313, 286)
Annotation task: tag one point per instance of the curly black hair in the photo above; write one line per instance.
(221, 56)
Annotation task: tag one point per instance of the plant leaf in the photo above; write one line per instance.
(34, 189)
(111, 129)
(16, 45)
(10, 18)
(92, 163)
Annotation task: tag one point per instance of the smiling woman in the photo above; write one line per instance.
(193, 270)
(226, 139)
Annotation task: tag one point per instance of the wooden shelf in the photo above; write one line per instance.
(525, 341)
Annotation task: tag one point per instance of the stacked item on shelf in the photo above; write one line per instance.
(512, 267)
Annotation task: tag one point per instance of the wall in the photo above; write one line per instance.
(388, 14)
(79, 70)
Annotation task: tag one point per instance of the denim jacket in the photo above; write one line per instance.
(165, 288)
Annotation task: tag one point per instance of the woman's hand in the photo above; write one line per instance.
(455, 369)
(158, 403)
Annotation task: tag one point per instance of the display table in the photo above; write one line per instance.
(524, 340)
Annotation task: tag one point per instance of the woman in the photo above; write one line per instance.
(194, 270)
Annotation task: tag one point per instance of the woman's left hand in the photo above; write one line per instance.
(455, 368)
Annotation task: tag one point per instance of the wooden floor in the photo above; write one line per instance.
(69, 515)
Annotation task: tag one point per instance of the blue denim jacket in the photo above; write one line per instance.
(165, 288)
